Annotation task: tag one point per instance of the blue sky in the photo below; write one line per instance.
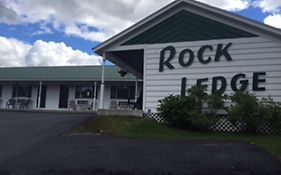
(52, 32)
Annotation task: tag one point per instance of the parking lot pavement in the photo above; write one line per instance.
(23, 131)
(48, 151)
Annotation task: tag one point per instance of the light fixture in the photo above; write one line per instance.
(122, 72)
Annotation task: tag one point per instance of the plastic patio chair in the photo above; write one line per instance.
(11, 103)
(72, 105)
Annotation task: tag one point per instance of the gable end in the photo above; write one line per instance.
(187, 26)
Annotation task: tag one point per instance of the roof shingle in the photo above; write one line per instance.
(64, 73)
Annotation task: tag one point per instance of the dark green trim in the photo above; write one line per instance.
(187, 26)
(64, 73)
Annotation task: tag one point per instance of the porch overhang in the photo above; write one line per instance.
(128, 60)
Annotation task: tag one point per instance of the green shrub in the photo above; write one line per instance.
(186, 112)
(198, 110)
(175, 111)
(199, 121)
(198, 93)
(244, 109)
(215, 103)
(270, 111)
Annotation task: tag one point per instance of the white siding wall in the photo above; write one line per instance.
(52, 96)
(7, 89)
(107, 92)
(248, 55)
(6, 94)
(71, 93)
(53, 93)
(33, 98)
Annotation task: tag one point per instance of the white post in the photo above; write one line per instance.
(39, 97)
(136, 90)
(95, 98)
(102, 82)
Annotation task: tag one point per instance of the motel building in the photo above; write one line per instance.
(75, 88)
(188, 43)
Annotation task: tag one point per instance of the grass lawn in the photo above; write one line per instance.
(131, 127)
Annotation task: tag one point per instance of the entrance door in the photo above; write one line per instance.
(43, 97)
(63, 101)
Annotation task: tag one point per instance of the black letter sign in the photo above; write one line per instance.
(163, 62)
(215, 85)
(223, 51)
(200, 82)
(190, 60)
(244, 83)
(257, 80)
(200, 54)
(183, 87)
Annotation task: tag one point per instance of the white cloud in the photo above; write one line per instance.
(12, 52)
(273, 20)
(17, 53)
(96, 20)
(272, 6)
(7, 15)
(231, 5)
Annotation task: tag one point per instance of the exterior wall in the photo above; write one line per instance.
(7, 89)
(52, 97)
(33, 98)
(107, 92)
(6, 94)
(248, 55)
(53, 93)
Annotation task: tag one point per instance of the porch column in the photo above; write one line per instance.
(102, 81)
(136, 90)
(95, 98)
(39, 95)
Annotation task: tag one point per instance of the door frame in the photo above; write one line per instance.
(63, 97)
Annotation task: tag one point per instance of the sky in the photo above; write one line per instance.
(63, 32)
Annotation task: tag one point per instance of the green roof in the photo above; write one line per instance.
(64, 73)
(187, 26)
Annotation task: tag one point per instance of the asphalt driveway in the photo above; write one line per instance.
(33, 144)
(20, 132)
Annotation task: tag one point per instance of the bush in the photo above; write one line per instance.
(198, 110)
(270, 112)
(186, 112)
(175, 111)
(215, 103)
(244, 109)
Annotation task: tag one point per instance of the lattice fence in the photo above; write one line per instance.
(222, 124)
(154, 116)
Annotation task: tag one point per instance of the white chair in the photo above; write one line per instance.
(113, 104)
(72, 105)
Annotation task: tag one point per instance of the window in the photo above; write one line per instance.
(22, 91)
(122, 92)
(84, 92)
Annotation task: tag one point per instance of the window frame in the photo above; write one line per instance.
(27, 90)
(116, 92)
(91, 88)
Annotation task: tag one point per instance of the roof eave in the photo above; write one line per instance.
(254, 24)
(99, 49)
